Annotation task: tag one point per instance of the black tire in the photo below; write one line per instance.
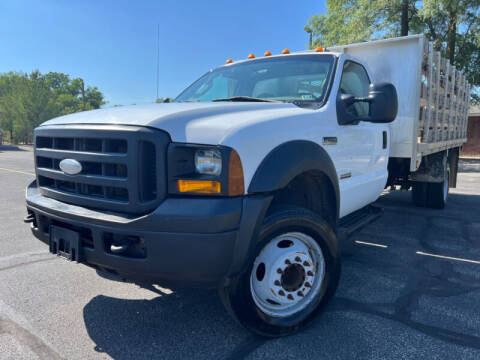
(419, 193)
(438, 193)
(238, 299)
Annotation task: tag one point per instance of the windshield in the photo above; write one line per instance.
(297, 78)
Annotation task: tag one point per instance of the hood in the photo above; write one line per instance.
(203, 123)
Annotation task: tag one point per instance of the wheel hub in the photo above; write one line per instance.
(293, 277)
(287, 274)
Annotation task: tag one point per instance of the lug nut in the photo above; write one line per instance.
(307, 284)
(298, 259)
(306, 264)
(287, 262)
(279, 271)
(281, 293)
(290, 297)
(300, 293)
(309, 273)
(277, 282)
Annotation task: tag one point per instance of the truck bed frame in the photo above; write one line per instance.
(433, 95)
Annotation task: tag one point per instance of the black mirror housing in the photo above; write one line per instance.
(348, 99)
(383, 103)
(343, 116)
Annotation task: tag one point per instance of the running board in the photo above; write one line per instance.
(358, 219)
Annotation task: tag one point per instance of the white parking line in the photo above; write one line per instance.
(18, 171)
(448, 257)
(371, 244)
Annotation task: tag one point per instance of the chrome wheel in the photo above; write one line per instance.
(287, 274)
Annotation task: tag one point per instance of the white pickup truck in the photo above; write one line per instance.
(241, 183)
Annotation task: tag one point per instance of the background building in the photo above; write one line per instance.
(472, 147)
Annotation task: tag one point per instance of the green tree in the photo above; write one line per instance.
(164, 100)
(27, 100)
(453, 26)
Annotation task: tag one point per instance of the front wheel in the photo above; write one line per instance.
(293, 276)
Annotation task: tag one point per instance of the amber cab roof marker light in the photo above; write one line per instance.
(251, 56)
(229, 61)
(267, 53)
(286, 51)
(319, 49)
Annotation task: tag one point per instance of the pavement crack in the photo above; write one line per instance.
(25, 337)
(25, 263)
(449, 336)
(247, 347)
(427, 278)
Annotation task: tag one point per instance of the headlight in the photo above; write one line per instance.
(205, 170)
(208, 162)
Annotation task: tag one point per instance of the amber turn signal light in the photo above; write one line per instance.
(319, 48)
(199, 186)
(235, 175)
(229, 61)
(251, 56)
(267, 53)
(286, 51)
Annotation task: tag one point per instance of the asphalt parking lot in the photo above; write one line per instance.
(410, 288)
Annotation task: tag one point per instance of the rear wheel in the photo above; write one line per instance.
(432, 195)
(419, 193)
(438, 192)
(293, 276)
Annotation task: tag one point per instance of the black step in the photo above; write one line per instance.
(358, 219)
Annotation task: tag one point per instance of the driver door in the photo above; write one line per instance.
(361, 158)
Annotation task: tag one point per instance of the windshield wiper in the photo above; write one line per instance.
(246, 98)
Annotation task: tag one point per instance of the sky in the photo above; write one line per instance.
(112, 44)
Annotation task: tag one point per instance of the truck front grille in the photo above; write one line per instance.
(123, 167)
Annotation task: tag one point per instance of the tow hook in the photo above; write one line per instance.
(29, 218)
(118, 249)
(121, 246)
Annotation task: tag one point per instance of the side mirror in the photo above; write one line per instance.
(344, 101)
(383, 103)
(348, 99)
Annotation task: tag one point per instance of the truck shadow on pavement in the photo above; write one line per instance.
(11, 148)
(396, 292)
(188, 323)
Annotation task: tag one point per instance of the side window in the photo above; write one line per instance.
(355, 81)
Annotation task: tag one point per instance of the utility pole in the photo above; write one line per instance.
(158, 57)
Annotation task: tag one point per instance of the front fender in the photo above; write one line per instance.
(289, 160)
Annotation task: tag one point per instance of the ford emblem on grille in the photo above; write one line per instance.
(70, 166)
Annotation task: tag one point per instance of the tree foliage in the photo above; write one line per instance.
(164, 100)
(27, 100)
(453, 26)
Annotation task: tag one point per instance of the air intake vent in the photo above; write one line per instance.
(123, 167)
(147, 170)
